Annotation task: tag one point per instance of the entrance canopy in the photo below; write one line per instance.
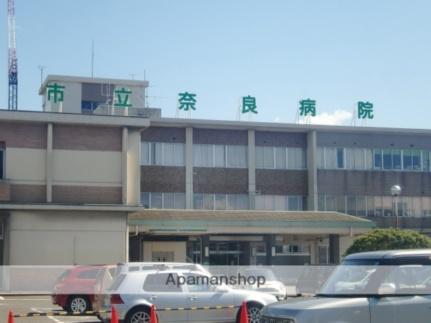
(252, 222)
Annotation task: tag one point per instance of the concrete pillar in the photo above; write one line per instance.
(312, 171)
(49, 164)
(125, 144)
(133, 167)
(189, 168)
(251, 169)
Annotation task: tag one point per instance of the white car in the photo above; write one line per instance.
(133, 293)
(371, 287)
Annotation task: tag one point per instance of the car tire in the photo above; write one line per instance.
(139, 314)
(78, 303)
(253, 312)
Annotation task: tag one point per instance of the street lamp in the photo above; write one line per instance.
(396, 192)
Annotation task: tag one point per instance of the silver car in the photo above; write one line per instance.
(133, 293)
(372, 287)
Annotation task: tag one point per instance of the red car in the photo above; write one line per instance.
(76, 288)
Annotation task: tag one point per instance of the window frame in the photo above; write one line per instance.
(2, 163)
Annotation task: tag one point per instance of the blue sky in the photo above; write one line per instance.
(336, 52)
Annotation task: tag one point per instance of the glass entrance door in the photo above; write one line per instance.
(232, 253)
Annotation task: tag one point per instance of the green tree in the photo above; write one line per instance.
(389, 239)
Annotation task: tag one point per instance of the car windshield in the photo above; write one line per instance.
(368, 277)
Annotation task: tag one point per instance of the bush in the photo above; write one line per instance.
(389, 239)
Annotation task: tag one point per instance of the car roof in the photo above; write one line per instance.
(390, 254)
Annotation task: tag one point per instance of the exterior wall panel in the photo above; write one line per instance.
(28, 193)
(163, 179)
(23, 135)
(280, 139)
(86, 195)
(220, 180)
(164, 134)
(87, 138)
(281, 182)
(220, 137)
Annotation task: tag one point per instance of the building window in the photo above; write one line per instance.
(2, 163)
(279, 203)
(157, 200)
(409, 206)
(208, 201)
(230, 156)
(162, 154)
(280, 158)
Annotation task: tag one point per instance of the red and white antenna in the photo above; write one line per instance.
(12, 59)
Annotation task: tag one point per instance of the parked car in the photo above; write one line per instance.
(75, 288)
(133, 293)
(371, 287)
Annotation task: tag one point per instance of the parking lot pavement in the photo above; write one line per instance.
(41, 304)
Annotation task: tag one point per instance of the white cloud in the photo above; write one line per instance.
(338, 117)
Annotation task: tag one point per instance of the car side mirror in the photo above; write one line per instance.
(387, 289)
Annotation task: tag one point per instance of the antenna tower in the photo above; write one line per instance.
(12, 59)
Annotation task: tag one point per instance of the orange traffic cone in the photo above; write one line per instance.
(114, 315)
(10, 318)
(153, 316)
(243, 315)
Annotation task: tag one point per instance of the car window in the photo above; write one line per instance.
(198, 283)
(162, 282)
(89, 274)
(410, 279)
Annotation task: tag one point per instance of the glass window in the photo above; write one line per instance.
(387, 206)
(340, 157)
(236, 156)
(426, 158)
(295, 158)
(359, 158)
(370, 206)
(295, 203)
(321, 157)
(416, 160)
(368, 159)
(208, 203)
(260, 202)
(321, 203)
(387, 159)
(280, 157)
(203, 155)
(280, 202)
(361, 206)
(157, 283)
(2, 163)
(89, 274)
(156, 153)
(350, 158)
(426, 206)
(330, 158)
(156, 200)
(416, 206)
(220, 202)
(180, 201)
(378, 204)
(259, 157)
(173, 154)
(219, 156)
(396, 159)
(268, 157)
(168, 201)
(198, 201)
(351, 205)
(331, 203)
(377, 158)
(237, 202)
(407, 159)
(145, 200)
(341, 204)
(145, 153)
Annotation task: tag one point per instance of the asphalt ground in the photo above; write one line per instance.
(41, 304)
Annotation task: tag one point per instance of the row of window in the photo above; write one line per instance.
(225, 156)
(279, 203)
(415, 206)
(220, 201)
(280, 158)
(380, 159)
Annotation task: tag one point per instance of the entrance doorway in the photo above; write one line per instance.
(229, 253)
